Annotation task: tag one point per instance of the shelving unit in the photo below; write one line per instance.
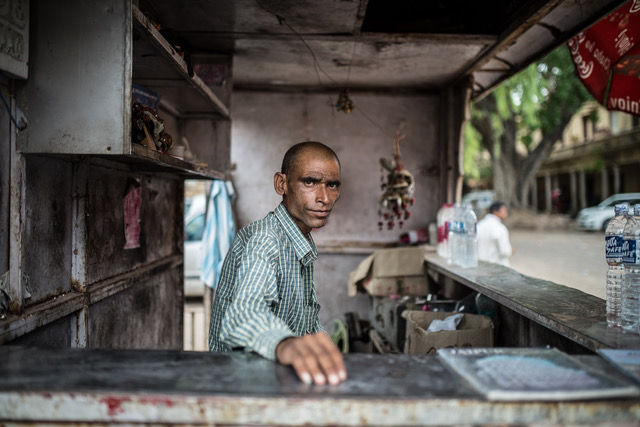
(72, 282)
(81, 96)
(159, 67)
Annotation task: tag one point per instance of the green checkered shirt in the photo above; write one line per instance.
(266, 291)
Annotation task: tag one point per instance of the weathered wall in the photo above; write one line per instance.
(82, 287)
(265, 125)
(145, 316)
(5, 169)
(47, 237)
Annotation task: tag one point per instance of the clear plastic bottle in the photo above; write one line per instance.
(443, 220)
(455, 235)
(630, 306)
(614, 236)
(469, 258)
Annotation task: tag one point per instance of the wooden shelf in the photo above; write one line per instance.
(159, 67)
(79, 97)
(156, 160)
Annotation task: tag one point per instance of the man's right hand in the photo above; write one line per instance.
(314, 357)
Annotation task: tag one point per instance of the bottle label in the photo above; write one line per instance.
(629, 251)
(613, 246)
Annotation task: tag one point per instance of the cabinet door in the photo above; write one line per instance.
(77, 96)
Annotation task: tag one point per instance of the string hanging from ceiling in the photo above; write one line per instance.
(344, 102)
(399, 186)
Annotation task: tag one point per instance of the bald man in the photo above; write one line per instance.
(266, 299)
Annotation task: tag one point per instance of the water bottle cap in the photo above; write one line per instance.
(621, 209)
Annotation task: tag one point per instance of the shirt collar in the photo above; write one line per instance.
(495, 217)
(304, 246)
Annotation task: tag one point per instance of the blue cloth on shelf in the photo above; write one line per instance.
(219, 231)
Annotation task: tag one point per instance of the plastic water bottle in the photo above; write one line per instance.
(631, 278)
(463, 239)
(443, 220)
(455, 235)
(469, 258)
(614, 236)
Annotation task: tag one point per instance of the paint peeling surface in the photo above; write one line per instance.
(188, 388)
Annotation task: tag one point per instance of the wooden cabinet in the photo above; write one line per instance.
(72, 281)
(85, 57)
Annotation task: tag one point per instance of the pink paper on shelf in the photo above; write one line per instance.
(131, 204)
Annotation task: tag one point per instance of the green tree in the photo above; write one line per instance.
(540, 100)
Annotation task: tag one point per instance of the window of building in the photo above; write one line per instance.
(588, 127)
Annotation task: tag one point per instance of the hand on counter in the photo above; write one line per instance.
(314, 357)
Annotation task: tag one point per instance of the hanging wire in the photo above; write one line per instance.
(21, 126)
(359, 110)
(353, 55)
(355, 33)
(316, 65)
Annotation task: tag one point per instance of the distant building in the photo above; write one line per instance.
(599, 155)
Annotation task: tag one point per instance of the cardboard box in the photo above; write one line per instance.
(474, 331)
(397, 271)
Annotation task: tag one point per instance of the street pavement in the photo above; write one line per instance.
(567, 257)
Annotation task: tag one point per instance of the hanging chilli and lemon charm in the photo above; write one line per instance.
(398, 190)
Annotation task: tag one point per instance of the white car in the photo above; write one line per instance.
(194, 219)
(597, 218)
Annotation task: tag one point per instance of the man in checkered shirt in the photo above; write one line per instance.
(266, 299)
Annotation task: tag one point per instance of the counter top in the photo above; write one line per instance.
(200, 388)
(567, 311)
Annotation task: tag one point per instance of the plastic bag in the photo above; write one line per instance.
(448, 324)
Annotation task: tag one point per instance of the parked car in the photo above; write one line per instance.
(596, 218)
(194, 220)
(480, 201)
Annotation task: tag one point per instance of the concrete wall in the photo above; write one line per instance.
(265, 125)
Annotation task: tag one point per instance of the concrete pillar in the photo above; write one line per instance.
(616, 178)
(547, 193)
(582, 178)
(573, 183)
(604, 177)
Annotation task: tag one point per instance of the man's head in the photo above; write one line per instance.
(309, 183)
(499, 209)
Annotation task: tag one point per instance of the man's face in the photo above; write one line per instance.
(311, 189)
(502, 213)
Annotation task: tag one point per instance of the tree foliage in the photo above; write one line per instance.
(521, 120)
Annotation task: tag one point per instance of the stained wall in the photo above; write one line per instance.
(265, 125)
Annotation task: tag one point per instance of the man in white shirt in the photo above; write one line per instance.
(493, 236)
